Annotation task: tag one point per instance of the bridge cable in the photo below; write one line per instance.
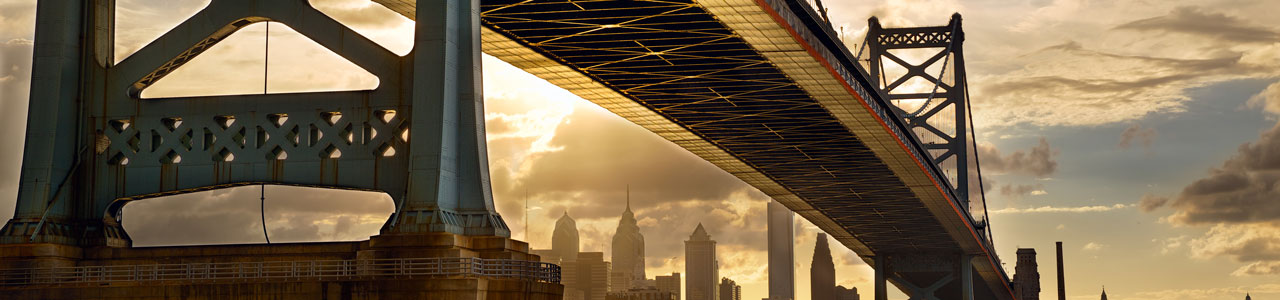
(986, 216)
(266, 56)
(938, 81)
(262, 206)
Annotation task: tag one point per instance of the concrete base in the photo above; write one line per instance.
(429, 245)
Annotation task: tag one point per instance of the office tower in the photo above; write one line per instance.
(730, 290)
(564, 240)
(1062, 285)
(822, 272)
(628, 252)
(670, 283)
(700, 265)
(589, 273)
(1104, 293)
(1026, 276)
(782, 242)
(843, 293)
(645, 293)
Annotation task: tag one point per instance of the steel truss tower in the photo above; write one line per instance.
(93, 144)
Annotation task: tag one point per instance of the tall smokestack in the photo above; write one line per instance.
(1062, 288)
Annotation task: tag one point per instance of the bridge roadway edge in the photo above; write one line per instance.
(393, 246)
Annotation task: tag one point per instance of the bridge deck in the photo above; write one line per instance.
(744, 85)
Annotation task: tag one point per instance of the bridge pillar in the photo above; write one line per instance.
(925, 276)
(93, 144)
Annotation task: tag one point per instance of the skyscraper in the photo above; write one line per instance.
(589, 273)
(564, 240)
(782, 254)
(1026, 277)
(628, 252)
(822, 273)
(669, 283)
(843, 293)
(730, 290)
(1104, 293)
(701, 266)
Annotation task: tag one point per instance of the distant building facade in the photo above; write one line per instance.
(589, 273)
(1026, 276)
(822, 272)
(564, 240)
(782, 241)
(669, 283)
(628, 253)
(646, 293)
(843, 293)
(701, 266)
(730, 290)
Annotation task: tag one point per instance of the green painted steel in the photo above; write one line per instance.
(93, 144)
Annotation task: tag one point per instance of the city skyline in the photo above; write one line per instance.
(1125, 183)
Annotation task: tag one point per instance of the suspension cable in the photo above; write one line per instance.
(941, 73)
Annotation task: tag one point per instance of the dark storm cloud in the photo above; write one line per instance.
(1039, 161)
(1245, 189)
(1136, 134)
(1196, 21)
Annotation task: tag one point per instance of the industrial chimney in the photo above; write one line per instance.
(1062, 289)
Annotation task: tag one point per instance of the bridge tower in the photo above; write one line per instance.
(932, 96)
(93, 144)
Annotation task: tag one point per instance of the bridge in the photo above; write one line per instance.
(764, 89)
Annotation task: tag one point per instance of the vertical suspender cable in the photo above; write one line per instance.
(262, 210)
(266, 56)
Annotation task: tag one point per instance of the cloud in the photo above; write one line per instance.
(1268, 100)
(1150, 202)
(1139, 135)
(1091, 246)
(1242, 190)
(1196, 21)
(1051, 209)
(1039, 161)
(1022, 190)
(1258, 245)
(1230, 292)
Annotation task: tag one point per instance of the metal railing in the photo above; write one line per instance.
(314, 270)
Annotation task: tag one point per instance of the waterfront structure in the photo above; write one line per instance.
(1026, 275)
(669, 283)
(628, 252)
(589, 274)
(781, 252)
(822, 272)
(729, 290)
(850, 293)
(701, 266)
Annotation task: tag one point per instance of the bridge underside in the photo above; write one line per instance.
(731, 82)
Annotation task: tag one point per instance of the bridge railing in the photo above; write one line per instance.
(362, 269)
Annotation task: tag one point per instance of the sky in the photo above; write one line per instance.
(1142, 134)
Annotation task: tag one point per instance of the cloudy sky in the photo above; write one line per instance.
(1142, 134)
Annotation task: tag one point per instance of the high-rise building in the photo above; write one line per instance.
(782, 252)
(589, 273)
(1026, 276)
(1104, 293)
(822, 272)
(700, 266)
(850, 293)
(670, 283)
(1246, 297)
(730, 290)
(564, 240)
(628, 252)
